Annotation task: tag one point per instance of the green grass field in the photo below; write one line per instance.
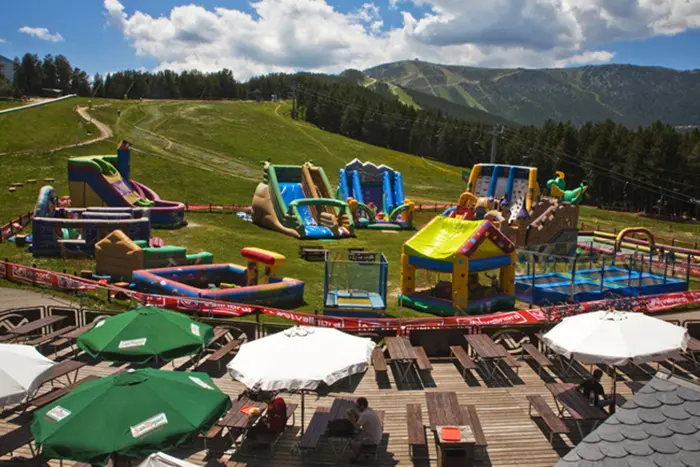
(210, 152)
(43, 127)
(9, 104)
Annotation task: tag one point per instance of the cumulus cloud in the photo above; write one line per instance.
(41, 33)
(290, 35)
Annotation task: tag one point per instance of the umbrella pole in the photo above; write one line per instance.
(302, 412)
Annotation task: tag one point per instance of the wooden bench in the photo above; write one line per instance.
(512, 362)
(620, 400)
(37, 461)
(416, 428)
(57, 393)
(227, 349)
(15, 439)
(378, 360)
(461, 355)
(231, 463)
(635, 386)
(316, 429)
(469, 415)
(554, 423)
(49, 337)
(7, 338)
(422, 361)
(539, 358)
(84, 464)
(291, 409)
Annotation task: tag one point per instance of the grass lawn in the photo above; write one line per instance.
(210, 152)
(43, 127)
(9, 104)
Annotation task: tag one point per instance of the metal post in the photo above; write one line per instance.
(573, 276)
(602, 275)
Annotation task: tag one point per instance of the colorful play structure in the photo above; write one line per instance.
(557, 189)
(510, 197)
(106, 181)
(71, 232)
(375, 196)
(355, 283)
(118, 256)
(598, 273)
(297, 201)
(465, 251)
(228, 282)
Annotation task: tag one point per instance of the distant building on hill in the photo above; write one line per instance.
(7, 68)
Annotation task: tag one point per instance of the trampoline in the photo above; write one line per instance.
(355, 283)
(592, 284)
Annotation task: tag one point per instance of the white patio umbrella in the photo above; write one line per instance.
(300, 359)
(22, 370)
(160, 459)
(616, 338)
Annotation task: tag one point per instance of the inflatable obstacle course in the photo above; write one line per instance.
(228, 282)
(119, 256)
(509, 196)
(105, 181)
(375, 195)
(297, 201)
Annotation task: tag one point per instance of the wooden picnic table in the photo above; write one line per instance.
(340, 406)
(485, 349)
(57, 393)
(443, 410)
(569, 399)
(401, 350)
(235, 419)
(65, 368)
(37, 325)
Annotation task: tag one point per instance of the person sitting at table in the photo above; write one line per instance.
(370, 429)
(275, 419)
(594, 392)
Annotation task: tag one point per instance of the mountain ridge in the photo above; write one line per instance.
(629, 94)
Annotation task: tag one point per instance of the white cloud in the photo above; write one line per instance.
(41, 33)
(289, 35)
(2, 41)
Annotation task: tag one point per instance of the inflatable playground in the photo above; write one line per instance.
(510, 196)
(477, 260)
(506, 239)
(117, 256)
(74, 232)
(375, 196)
(106, 181)
(297, 201)
(227, 282)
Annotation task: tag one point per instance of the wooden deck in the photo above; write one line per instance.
(513, 438)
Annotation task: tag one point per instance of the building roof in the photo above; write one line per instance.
(659, 426)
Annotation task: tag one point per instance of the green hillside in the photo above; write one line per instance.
(210, 152)
(632, 95)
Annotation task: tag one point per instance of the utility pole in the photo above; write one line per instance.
(295, 86)
(495, 133)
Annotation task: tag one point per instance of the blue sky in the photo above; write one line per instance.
(287, 35)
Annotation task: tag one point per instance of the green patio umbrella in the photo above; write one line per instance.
(144, 333)
(130, 414)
